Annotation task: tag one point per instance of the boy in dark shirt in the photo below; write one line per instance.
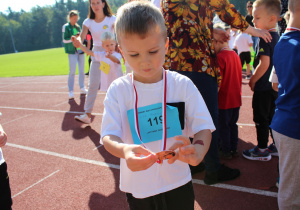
(266, 14)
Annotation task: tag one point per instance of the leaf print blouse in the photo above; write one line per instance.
(189, 24)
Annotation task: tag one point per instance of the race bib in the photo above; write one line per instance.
(151, 125)
(105, 67)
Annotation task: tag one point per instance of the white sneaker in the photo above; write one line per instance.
(83, 118)
(83, 91)
(71, 95)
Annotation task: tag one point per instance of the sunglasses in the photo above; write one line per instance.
(249, 6)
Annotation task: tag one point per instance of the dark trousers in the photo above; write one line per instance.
(228, 129)
(263, 104)
(180, 198)
(208, 87)
(5, 194)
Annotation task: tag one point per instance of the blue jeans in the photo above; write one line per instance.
(73, 60)
(208, 87)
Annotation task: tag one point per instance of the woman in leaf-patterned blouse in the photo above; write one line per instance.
(191, 53)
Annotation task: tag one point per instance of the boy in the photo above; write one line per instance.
(136, 116)
(242, 43)
(266, 14)
(286, 121)
(229, 98)
(110, 64)
(5, 193)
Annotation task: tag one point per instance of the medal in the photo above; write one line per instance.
(164, 122)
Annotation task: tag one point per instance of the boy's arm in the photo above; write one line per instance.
(113, 58)
(78, 44)
(189, 153)
(264, 63)
(132, 153)
(3, 137)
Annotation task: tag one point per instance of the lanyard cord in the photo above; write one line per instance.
(164, 104)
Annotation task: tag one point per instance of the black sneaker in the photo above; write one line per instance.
(197, 169)
(224, 174)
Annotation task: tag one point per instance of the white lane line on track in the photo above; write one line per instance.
(35, 92)
(16, 119)
(35, 184)
(47, 110)
(109, 165)
(69, 157)
(245, 124)
(238, 188)
(17, 83)
(98, 147)
(65, 102)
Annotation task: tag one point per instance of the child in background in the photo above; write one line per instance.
(233, 35)
(286, 121)
(110, 60)
(136, 116)
(229, 98)
(5, 193)
(242, 43)
(266, 14)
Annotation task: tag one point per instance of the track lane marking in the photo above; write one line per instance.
(47, 110)
(16, 119)
(35, 184)
(45, 92)
(109, 165)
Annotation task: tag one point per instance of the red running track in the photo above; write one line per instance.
(55, 162)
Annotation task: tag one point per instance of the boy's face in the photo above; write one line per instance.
(109, 45)
(217, 46)
(145, 55)
(261, 18)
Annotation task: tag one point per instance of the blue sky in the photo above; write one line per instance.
(17, 5)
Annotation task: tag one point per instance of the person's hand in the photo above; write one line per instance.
(186, 152)
(107, 54)
(138, 158)
(252, 82)
(220, 35)
(264, 34)
(3, 138)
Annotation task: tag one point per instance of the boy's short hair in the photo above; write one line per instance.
(139, 17)
(107, 36)
(272, 6)
(221, 25)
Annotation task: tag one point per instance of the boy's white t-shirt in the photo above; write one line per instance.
(1, 157)
(273, 76)
(114, 72)
(97, 29)
(233, 36)
(119, 99)
(242, 43)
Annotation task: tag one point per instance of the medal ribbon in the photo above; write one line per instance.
(292, 29)
(164, 112)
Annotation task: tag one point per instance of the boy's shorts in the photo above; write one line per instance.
(245, 57)
(5, 193)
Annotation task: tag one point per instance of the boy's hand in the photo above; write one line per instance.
(220, 35)
(3, 138)
(134, 160)
(187, 152)
(252, 82)
(76, 42)
(107, 54)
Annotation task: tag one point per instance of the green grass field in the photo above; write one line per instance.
(40, 63)
(36, 63)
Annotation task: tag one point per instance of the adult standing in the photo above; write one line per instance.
(191, 53)
(100, 19)
(283, 23)
(249, 19)
(75, 56)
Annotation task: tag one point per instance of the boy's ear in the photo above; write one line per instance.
(167, 45)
